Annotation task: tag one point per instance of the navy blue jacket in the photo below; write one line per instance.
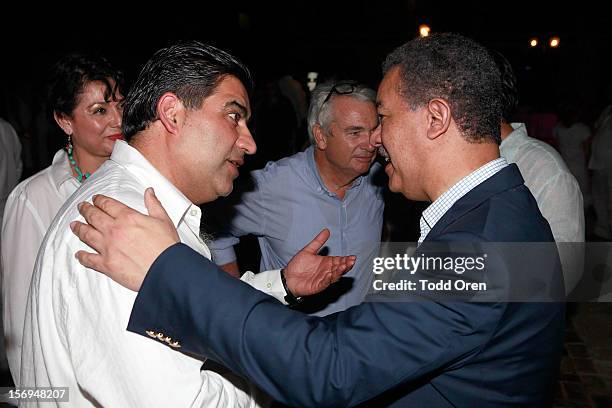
(433, 354)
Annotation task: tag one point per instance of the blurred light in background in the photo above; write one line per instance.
(554, 42)
(424, 30)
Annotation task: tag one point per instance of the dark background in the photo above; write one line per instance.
(343, 38)
(339, 39)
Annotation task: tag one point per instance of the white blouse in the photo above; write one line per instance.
(29, 210)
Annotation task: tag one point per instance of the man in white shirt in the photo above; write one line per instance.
(547, 176)
(185, 121)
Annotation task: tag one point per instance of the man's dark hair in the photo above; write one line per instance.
(509, 90)
(458, 70)
(69, 76)
(191, 70)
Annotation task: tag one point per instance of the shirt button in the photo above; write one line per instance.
(269, 285)
(194, 212)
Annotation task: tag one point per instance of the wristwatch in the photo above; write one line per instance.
(290, 298)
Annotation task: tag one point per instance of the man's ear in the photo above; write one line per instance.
(170, 111)
(320, 137)
(63, 122)
(438, 118)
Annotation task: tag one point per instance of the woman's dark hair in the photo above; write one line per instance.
(69, 76)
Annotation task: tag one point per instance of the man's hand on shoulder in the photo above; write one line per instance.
(127, 241)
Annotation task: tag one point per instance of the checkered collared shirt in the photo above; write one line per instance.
(438, 208)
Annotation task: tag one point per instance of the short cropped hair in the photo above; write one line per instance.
(509, 90)
(458, 70)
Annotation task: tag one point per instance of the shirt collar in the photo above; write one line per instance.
(60, 170)
(442, 204)
(175, 202)
(313, 172)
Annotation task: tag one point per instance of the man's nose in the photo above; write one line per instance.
(246, 142)
(366, 144)
(375, 137)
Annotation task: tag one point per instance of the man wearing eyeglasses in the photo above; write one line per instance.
(330, 185)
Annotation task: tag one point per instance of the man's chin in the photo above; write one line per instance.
(393, 188)
(225, 190)
(228, 192)
(395, 184)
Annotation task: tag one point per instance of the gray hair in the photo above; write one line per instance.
(319, 111)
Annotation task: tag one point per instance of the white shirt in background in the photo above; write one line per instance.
(10, 161)
(10, 173)
(30, 208)
(557, 193)
(571, 147)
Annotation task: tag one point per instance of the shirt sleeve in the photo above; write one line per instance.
(561, 203)
(22, 234)
(564, 209)
(268, 282)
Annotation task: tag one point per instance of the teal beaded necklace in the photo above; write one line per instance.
(80, 176)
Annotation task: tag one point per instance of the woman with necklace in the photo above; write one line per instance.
(85, 96)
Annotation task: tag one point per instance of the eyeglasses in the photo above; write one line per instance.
(342, 88)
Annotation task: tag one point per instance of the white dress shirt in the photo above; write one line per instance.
(30, 208)
(556, 191)
(75, 329)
